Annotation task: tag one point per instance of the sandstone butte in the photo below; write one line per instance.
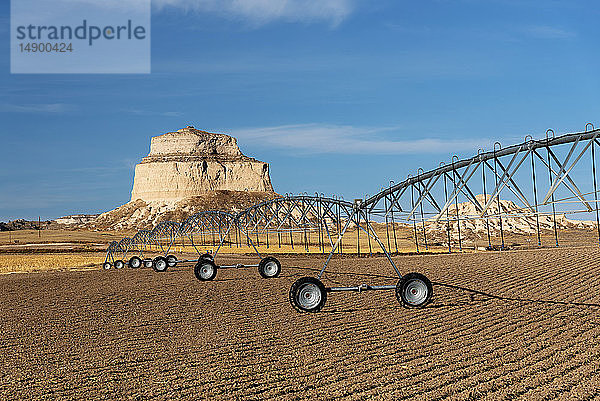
(190, 162)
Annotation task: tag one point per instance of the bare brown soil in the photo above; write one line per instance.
(510, 325)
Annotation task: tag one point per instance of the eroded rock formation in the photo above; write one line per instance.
(140, 214)
(190, 162)
(515, 219)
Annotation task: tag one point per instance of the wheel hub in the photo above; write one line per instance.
(416, 292)
(206, 271)
(270, 268)
(309, 296)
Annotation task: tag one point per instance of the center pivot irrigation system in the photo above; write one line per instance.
(549, 179)
(208, 228)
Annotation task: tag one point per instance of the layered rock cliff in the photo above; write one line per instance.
(190, 162)
(515, 219)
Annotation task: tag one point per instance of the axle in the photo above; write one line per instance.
(361, 288)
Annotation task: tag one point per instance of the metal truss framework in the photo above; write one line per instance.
(162, 238)
(294, 220)
(511, 172)
(564, 162)
(429, 197)
(535, 180)
(302, 214)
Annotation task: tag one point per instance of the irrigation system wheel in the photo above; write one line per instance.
(207, 256)
(148, 263)
(159, 264)
(308, 294)
(119, 264)
(414, 290)
(269, 267)
(172, 260)
(106, 265)
(134, 262)
(205, 270)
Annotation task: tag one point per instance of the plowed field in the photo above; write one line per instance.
(510, 325)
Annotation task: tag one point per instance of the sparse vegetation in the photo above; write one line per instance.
(38, 262)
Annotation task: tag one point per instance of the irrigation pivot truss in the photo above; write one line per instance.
(556, 174)
(537, 174)
(289, 222)
(538, 182)
(292, 220)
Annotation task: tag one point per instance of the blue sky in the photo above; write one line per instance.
(340, 96)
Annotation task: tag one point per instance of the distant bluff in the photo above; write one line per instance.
(191, 162)
(189, 171)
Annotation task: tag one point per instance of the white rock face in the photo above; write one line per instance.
(515, 219)
(193, 142)
(76, 219)
(190, 162)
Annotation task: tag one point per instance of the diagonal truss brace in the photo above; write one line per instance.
(573, 187)
(460, 187)
(564, 170)
(506, 178)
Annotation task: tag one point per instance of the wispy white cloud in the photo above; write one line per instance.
(260, 12)
(138, 112)
(322, 138)
(36, 108)
(172, 114)
(417, 64)
(548, 32)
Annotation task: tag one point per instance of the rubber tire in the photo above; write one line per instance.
(119, 264)
(158, 262)
(198, 267)
(295, 293)
(207, 256)
(135, 262)
(401, 290)
(106, 265)
(148, 263)
(172, 260)
(262, 265)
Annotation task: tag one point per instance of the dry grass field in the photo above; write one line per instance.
(30, 251)
(55, 261)
(503, 325)
(82, 237)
